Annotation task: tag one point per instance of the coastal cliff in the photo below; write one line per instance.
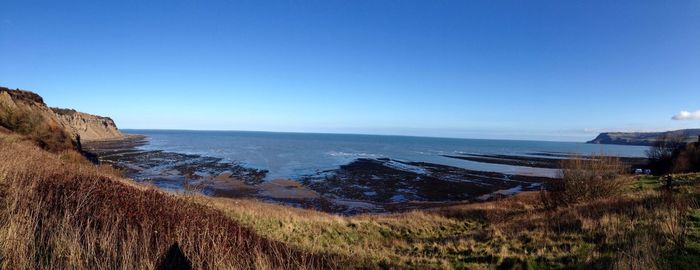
(89, 127)
(643, 138)
(13, 103)
(25, 112)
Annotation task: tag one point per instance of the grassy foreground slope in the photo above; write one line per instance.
(58, 211)
(646, 227)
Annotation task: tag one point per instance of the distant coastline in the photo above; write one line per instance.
(642, 138)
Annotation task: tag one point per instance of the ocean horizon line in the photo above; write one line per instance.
(349, 134)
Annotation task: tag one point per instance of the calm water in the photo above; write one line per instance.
(289, 155)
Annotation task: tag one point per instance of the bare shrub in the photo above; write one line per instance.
(19, 120)
(672, 154)
(586, 179)
(662, 152)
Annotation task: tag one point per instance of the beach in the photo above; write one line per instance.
(365, 183)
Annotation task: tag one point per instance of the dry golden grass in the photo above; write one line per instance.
(632, 230)
(57, 212)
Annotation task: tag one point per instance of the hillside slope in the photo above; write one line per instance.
(57, 211)
(642, 138)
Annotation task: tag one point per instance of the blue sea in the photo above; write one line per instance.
(291, 155)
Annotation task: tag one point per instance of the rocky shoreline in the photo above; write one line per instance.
(362, 186)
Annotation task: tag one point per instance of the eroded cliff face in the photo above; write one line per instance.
(26, 113)
(19, 103)
(89, 127)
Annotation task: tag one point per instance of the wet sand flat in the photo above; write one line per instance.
(535, 160)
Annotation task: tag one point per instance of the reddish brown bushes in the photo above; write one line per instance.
(687, 159)
(673, 154)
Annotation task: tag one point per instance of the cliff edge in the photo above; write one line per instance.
(89, 127)
(25, 112)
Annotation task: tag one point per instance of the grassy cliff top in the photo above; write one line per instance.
(22, 95)
(63, 111)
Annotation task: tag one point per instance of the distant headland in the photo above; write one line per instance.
(643, 138)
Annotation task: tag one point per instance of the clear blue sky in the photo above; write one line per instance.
(552, 70)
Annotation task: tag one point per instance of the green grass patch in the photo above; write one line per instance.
(647, 182)
(688, 256)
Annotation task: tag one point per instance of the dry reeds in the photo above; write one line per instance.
(56, 214)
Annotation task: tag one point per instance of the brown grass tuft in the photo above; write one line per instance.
(586, 179)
